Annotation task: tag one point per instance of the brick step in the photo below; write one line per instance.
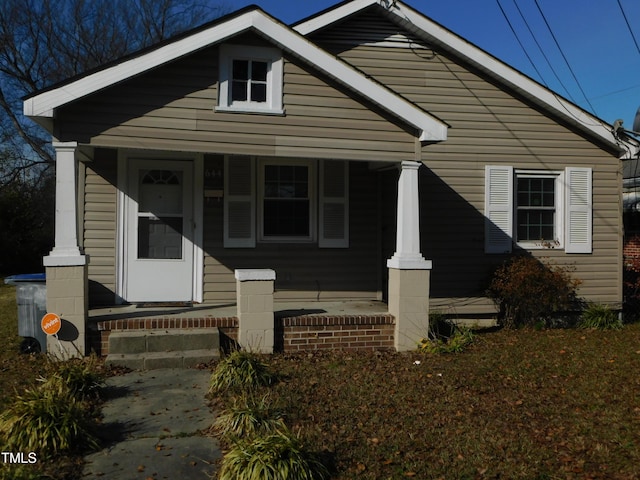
(156, 360)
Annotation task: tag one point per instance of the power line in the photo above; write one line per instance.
(629, 26)
(555, 74)
(564, 56)
(515, 34)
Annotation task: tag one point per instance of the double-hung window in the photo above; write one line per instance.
(538, 208)
(250, 79)
(535, 209)
(286, 195)
(277, 200)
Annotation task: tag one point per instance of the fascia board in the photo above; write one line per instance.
(44, 104)
(543, 96)
(331, 16)
(430, 128)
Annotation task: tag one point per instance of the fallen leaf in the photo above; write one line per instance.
(410, 474)
(141, 468)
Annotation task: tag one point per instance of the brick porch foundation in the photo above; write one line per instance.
(292, 334)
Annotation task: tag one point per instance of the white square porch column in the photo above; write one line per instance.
(409, 272)
(66, 266)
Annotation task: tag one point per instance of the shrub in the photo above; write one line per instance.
(249, 417)
(600, 317)
(240, 370)
(48, 420)
(528, 291)
(280, 456)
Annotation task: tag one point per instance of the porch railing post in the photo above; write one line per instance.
(254, 291)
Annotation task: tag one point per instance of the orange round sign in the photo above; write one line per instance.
(51, 323)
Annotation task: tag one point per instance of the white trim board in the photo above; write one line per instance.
(430, 128)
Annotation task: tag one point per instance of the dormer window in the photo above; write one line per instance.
(250, 80)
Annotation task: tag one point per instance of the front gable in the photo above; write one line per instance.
(42, 105)
(176, 107)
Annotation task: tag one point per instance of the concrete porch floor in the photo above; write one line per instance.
(281, 310)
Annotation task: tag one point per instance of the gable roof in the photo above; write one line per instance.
(435, 34)
(43, 103)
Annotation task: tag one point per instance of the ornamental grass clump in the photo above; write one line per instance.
(83, 376)
(445, 336)
(240, 371)
(249, 416)
(49, 420)
(280, 456)
(600, 317)
(528, 291)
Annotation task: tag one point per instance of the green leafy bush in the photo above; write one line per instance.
(528, 291)
(249, 417)
(600, 317)
(241, 370)
(48, 420)
(279, 456)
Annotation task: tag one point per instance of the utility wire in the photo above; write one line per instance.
(564, 56)
(629, 26)
(555, 74)
(515, 34)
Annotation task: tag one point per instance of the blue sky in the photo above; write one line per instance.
(592, 35)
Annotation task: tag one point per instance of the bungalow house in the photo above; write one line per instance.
(365, 153)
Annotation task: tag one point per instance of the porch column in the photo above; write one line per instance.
(409, 272)
(254, 290)
(66, 266)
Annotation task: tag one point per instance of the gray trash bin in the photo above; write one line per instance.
(31, 297)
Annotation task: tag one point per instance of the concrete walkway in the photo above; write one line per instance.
(151, 428)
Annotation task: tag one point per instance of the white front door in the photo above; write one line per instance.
(159, 231)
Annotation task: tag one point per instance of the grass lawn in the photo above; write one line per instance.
(549, 404)
(517, 404)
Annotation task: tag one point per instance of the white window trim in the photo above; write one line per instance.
(313, 218)
(273, 57)
(559, 196)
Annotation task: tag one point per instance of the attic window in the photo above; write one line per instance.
(250, 80)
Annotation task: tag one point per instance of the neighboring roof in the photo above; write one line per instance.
(435, 34)
(43, 103)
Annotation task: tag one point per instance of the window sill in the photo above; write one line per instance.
(248, 109)
(540, 246)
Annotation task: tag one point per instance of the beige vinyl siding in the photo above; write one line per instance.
(172, 108)
(303, 271)
(488, 125)
(100, 225)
